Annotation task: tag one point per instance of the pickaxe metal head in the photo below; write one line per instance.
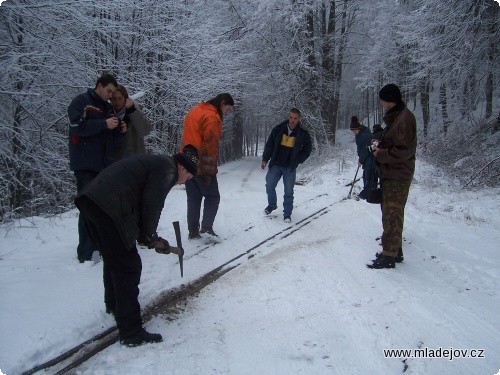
(180, 252)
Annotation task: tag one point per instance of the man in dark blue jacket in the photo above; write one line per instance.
(122, 204)
(94, 140)
(288, 146)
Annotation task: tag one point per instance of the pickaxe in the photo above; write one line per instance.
(180, 253)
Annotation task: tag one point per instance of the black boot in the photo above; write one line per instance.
(208, 230)
(142, 337)
(269, 209)
(399, 258)
(194, 234)
(110, 311)
(383, 261)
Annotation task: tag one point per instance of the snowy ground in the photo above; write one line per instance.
(304, 304)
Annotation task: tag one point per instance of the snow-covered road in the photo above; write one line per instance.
(302, 304)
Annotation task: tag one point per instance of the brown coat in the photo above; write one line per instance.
(398, 145)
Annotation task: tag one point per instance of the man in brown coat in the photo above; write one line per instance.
(396, 157)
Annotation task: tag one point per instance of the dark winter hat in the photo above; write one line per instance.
(355, 123)
(377, 128)
(390, 93)
(188, 159)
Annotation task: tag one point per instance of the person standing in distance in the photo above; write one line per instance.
(94, 137)
(395, 155)
(288, 146)
(203, 129)
(363, 138)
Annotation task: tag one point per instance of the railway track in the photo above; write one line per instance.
(167, 303)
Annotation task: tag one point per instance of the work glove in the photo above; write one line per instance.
(162, 246)
(172, 249)
(206, 180)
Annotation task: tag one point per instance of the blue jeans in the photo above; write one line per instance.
(85, 247)
(273, 176)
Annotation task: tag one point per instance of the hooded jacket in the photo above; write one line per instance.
(203, 129)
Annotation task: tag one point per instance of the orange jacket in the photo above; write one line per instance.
(202, 129)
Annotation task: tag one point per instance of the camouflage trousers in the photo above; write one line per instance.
(394, 196)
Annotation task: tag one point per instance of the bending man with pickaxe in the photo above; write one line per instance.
(123, 205)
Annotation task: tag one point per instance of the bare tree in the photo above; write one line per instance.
(329, 58)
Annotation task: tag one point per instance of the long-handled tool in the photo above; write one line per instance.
(353, 181)
(177, 230)
(350, 183)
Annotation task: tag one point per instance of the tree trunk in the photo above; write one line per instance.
(489, 87)
(496, 126)
(237, 141)
(337, 79)
(14, 185)
(424, 101)
(489, 94)
(444, 107)
(328, 113)
(367, 108)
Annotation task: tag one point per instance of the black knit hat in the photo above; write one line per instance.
(188, 159)
(354, 123)
(390, 93)
(377, 128)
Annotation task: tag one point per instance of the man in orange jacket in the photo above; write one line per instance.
(203, 128)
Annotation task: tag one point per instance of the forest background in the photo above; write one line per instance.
(329, 58)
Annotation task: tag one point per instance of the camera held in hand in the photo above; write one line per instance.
(120, 124)
(374, 145)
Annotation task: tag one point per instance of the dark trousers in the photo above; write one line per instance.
(370, 178)
(121, 270)
(366, 184)
(196, 190)
(85, 246)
